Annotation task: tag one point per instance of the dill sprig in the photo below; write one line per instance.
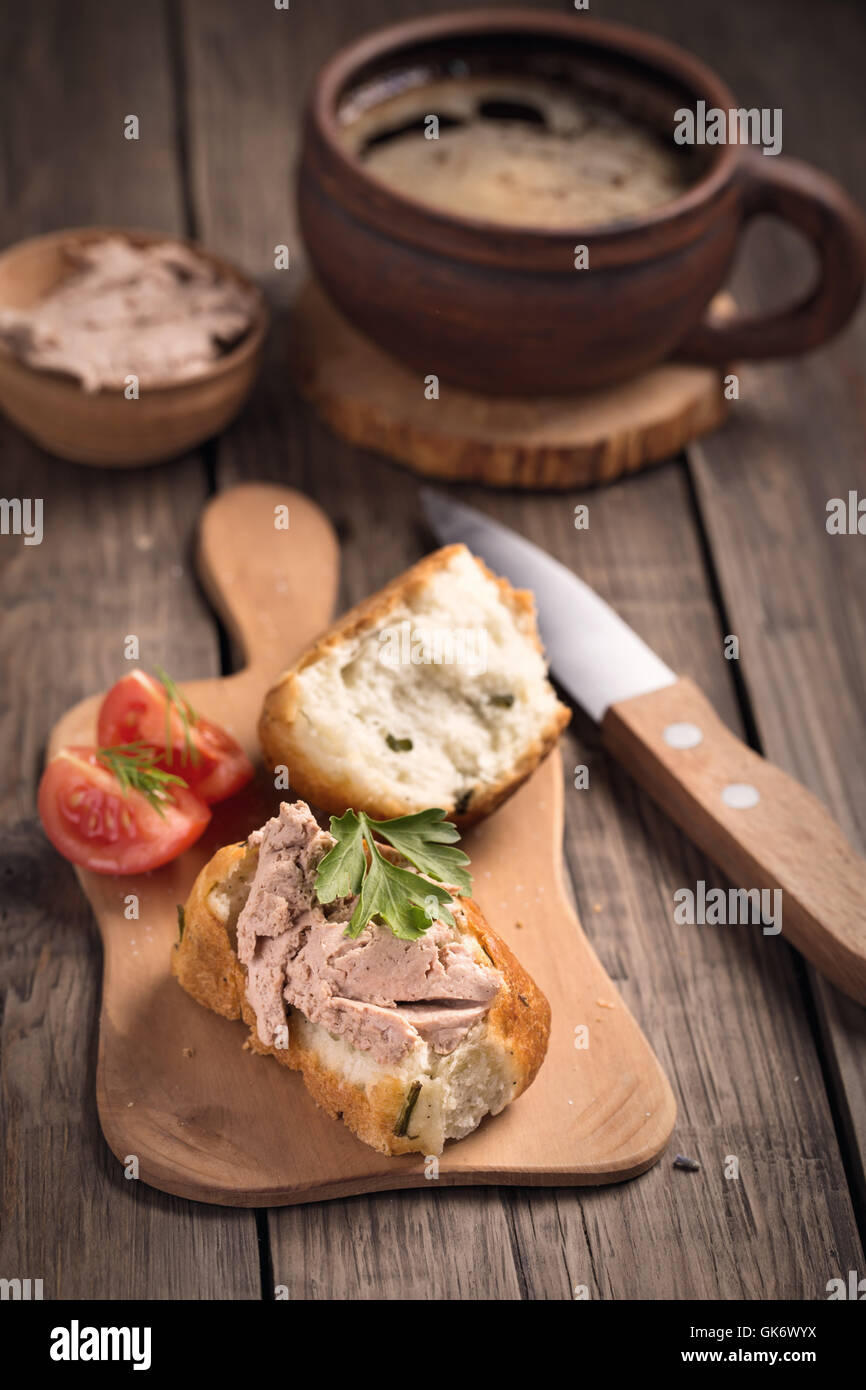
(185, 711)
(134, 766)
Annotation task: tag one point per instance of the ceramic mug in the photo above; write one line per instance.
(501, 309)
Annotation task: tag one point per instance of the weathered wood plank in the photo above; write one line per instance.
(113, 561)
(798, 610)
(723, 1011)
(720, 1005)
(761, 481)
(795, 595)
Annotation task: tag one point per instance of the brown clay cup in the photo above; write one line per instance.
(502, 310)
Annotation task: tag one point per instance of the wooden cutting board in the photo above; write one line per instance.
(209, 1120)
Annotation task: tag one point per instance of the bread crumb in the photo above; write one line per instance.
(519, 926)
(189, 1052)
(605, 1004)
(596, 907)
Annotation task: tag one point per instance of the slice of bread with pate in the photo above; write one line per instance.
(410, 1042)
(432, 692)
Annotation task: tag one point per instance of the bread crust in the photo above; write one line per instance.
(205, 963)
(205, 960)
(283, 743)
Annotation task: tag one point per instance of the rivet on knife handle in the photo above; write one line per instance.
(758, 824)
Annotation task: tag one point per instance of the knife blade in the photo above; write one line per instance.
(593, 653)
(765, 830)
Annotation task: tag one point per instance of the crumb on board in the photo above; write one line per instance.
(189, 1052)
(519, 926)
(605, 1004)
(596, 907)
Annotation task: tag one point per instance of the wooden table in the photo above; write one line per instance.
(768, 1063)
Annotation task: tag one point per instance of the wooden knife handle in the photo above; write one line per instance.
(757, 823)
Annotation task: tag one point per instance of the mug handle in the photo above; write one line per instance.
(818, 207)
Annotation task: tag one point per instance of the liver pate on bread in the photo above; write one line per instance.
(411, 1043)
(432, 692)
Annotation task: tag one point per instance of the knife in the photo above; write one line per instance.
(758, 824)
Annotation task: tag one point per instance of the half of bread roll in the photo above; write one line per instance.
(432, 692)
(406, 1064)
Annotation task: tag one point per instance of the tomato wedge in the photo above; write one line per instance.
(141, 709)
(92, 820)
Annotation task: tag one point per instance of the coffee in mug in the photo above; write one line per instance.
(518, 151)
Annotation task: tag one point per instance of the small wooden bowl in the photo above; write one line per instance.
(103, 428)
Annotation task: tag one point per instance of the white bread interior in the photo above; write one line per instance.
(340, 717)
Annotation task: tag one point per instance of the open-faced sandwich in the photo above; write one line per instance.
(366, 966)
(432, 692)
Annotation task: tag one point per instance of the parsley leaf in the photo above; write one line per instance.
(342, 870)
(398, 898)
(426, 840)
